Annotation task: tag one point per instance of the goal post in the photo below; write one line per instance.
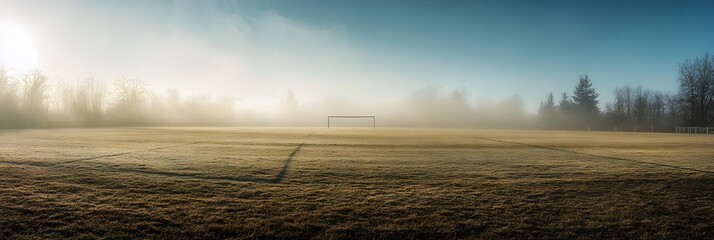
(374, 118)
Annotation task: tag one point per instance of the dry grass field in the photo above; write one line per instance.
(294, 183)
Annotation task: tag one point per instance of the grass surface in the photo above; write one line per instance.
(353, 183)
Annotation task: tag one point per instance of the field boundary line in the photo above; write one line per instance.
(596, 155)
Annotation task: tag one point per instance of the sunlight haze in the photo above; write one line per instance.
(364, 53)
(356, 119)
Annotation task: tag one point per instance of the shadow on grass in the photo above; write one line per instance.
(284, 170)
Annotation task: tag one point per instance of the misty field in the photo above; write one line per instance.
(353, 183)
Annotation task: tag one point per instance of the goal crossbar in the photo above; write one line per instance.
(374, 118)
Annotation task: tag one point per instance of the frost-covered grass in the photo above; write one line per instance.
(353, 183)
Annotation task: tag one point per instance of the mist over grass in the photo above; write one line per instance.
(33, 100)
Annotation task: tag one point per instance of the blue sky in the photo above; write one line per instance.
(524, 46)
(371, 51)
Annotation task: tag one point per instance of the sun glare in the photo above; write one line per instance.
(17, 48)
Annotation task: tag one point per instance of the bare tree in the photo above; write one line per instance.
(675, 111)
(34, 95)
(173, 97)
(4, 81)
(619, 109)
(640, 106)
(628, 97)
(6, 91)
(8, 100)
(130, 95)
(65, 102)
(88, 102)
(460, 97)
(656, 109)
(696, 88)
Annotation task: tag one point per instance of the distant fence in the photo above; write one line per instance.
(695, 130)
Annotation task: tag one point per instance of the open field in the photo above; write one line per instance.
(338, 183)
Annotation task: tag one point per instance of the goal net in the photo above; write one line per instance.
(351, 121)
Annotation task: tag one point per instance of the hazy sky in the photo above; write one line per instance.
(370, 51)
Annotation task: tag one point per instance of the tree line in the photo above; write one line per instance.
(637, 108)
(29, 101)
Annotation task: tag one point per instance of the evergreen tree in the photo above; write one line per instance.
(548, 107)
(565, 106)
(585, 97)
(547, 111)
(565, 111)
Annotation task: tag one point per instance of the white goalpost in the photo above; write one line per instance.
(374, 119)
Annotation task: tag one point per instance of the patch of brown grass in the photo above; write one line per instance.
(389, 183)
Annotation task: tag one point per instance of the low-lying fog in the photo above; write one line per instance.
(179, 62)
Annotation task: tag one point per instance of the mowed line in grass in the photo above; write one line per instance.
(595, 155)
(110, 168)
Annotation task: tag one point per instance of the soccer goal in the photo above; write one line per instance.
(374, 119)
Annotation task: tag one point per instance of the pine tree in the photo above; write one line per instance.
(565, 105)
(548, 107)
(585, 97)
(547, 111)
